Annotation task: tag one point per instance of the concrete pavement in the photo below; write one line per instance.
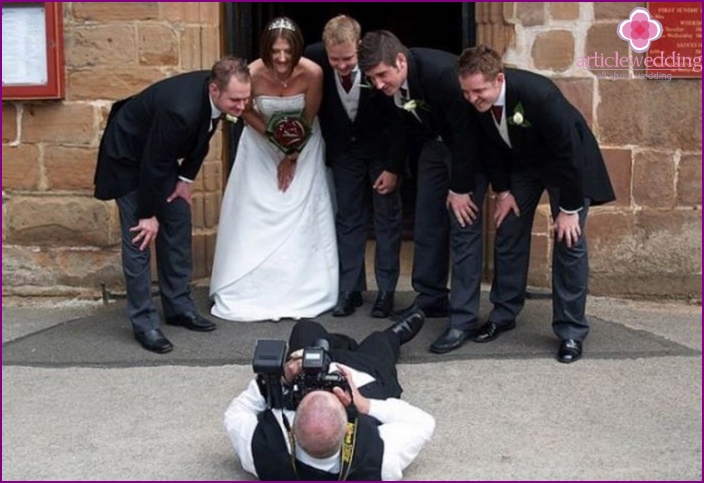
(82, 401)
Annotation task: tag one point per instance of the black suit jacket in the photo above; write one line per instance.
(558, 142)
(377, 130)
(432, 80)
(146, 136)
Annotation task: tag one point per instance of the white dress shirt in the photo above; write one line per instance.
(404, 430)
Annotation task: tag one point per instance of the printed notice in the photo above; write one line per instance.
(24, 57)
(680, 46)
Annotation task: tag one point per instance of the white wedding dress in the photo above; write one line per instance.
(276, 252)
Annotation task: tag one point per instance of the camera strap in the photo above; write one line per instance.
(291, 442)
(348, 444)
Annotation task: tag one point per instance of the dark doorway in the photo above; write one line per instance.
(446, 26)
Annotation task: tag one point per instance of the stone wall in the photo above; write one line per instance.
(648, 242)
(57, 239)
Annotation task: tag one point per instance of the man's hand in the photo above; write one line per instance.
(385, 183)
(463, 207)
(505, 204)
(293, 366)
(567, 228)
(182, 190)
(146, 230)
(360, 402)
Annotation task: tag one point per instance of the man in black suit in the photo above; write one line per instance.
(364, 147)
(423, 82)
(153, 146)
(540, 142)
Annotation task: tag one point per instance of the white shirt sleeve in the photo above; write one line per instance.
(405, 429)
(241, 421)
(571, 212)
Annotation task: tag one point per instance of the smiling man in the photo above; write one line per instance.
(541, 142)
(423, 84)
(152, 149)
(364, 148)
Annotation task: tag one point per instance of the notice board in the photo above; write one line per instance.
(32, 51)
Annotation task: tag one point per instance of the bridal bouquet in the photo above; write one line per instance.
(288, 132)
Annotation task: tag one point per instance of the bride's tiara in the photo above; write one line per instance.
(282, 23)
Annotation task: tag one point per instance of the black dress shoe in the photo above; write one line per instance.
(491, 331)
(450, 340)
(570, 351)
(192, 321)
(346, 303)
(408, 327)
(154, 340)
(384, 304)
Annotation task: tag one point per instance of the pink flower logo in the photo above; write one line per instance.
(639, 30)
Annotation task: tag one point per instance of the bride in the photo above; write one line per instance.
(276, 254)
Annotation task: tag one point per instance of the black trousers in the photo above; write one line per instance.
(431, 233)
(354, 173)
(570, 266)
(173, 257)
(376, 355)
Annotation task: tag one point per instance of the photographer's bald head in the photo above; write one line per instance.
(320, 424)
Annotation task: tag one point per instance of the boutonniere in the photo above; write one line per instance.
(231, 118)
(414, 104)
(518, 118)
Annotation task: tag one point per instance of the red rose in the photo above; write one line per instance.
(288, 133)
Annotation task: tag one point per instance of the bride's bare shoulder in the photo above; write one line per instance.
(256, 68)
(310, 69)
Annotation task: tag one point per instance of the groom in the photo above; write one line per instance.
(152, 149)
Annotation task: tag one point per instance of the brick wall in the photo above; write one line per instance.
(57, 239)
(647, 243)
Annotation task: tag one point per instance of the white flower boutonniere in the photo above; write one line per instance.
(231, 118)
(518, 118)
(413, 104)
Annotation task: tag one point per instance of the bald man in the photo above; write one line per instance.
(388, 433)
(320, 425)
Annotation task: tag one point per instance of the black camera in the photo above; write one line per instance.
(268, 364)
(315, 374)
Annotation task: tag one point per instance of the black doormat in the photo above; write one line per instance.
(104, 338)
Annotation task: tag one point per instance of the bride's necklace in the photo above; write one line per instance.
(282, 82)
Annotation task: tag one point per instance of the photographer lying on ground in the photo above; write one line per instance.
(336, 430)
